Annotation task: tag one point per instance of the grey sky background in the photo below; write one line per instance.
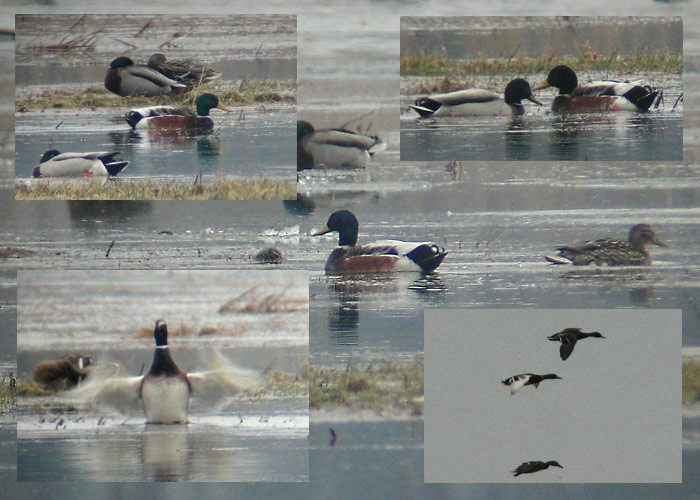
(615, 416)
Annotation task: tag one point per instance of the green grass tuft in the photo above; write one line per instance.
(691, 382)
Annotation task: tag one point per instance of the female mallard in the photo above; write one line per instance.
(164, 392)
(176, 117)
(125, 78)
(55, 164)
(605, 95)
(334, 148)
(568, 338)
(477, 102)
(185, 72)
(534, 466)
(612, 252)
(517, 381)
(387, 255)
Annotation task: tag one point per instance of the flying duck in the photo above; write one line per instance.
(176, 117)
(568, 338)
(517, 381)
(56, 164)
(64, 372)
(387, 255)
(334, 148)
(186, 72)
(125, 78)
(164, 392)
(605, 95)
(612, 252)
(534, 466)
(477, 102)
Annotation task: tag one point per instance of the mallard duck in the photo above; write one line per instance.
(176, 117)
(334, 148)
(185, 72)
(64, 372)
(125, 78)
(612, 252)
(388, 255)
(605, 95)
(164, 392)
(568, 338)
(517, 381)
(56, 164)
(477, 102)
(534, 466)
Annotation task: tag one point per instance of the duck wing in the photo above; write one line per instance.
(224, 380)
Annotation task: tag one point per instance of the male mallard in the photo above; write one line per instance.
(477, 102)
(517, 381)
(612, 252)
(387, 255)
(125, 78)
(176, 117)
(605, 95)
(334, 148)
(568, 338)
(66, 371)
(55, 164)
(165, 390)
(185, 72)
(534, 466)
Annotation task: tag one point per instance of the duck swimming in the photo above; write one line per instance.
(176, 117)
(477, 102)
(632, 252)
(534, 466)
(605, 95)
(334, 148)
(568, 338)
(185, 72)
(56, 164)
(517, 381)
(125, 78)
(387, 255)
(165, 390)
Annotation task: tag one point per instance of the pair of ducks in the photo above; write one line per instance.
(396, 255)
(606, 95)
(568, 338)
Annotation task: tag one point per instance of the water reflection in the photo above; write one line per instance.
(165, 451)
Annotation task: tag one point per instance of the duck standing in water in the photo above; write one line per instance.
(334, 148)
(387, 255)
(609, 251)
(125, 78)
(164, 392)
(568, 338)
(604, 95)
(534, 466)
(477, 102)
(517, 381)
(176, 117)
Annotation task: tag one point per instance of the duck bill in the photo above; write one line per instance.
(542, 85)
(321, 231)
(659, 242)
(535, 100)
(221, 106)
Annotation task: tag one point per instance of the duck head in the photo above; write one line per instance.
(207, 102)
(345, 222)
(160, 333)
(561, 77)
(519, 89)
(643, 234)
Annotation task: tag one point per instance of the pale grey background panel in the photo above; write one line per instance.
(614, 417)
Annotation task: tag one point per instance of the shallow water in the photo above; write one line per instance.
(250, 142)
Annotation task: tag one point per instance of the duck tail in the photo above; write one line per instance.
(427, 257)
(642, 97)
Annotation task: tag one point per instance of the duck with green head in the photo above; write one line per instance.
(568, 338)
(477, 102)
(534, 466)
(176, 117)
(517, 381)
(125, 78)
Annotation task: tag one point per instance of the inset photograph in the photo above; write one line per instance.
(163, 376)
(155, 107)
(542, 88)
(553, 396)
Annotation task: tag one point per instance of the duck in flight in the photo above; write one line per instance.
(568, 338)
(517, 381)
(534, 466)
